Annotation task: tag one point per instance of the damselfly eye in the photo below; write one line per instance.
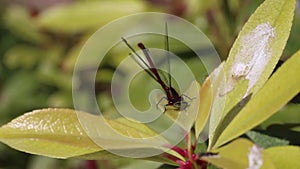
(177, 104)
(180, 105)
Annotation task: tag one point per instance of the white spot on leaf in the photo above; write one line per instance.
(252, 57)
(239, 70)
(255, 158)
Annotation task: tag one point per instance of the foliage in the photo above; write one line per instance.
(38, 58)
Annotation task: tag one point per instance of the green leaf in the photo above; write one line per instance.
(287, 115)
(260, 44)
(58, 133)
(266, 141)
(284, 156)
(253, 56)
(49, 132)
(218, 102)
(205, 104)
(239, 155)
(209, 101)
(173, 124)
(285, 81)
(86, 15)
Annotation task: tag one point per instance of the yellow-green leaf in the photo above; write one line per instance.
(58, 133)
(284, 156)
(260, 44)
(254, 55)
(279, 89)
(240, 154)
(205, 103)
(86, 15)
(220, 100)
(49, 132)
(208, 96)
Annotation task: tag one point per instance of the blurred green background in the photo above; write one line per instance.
(40, 41)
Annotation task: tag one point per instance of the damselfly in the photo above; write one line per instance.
(175, 100)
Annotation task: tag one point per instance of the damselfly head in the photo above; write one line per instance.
(178, 106)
